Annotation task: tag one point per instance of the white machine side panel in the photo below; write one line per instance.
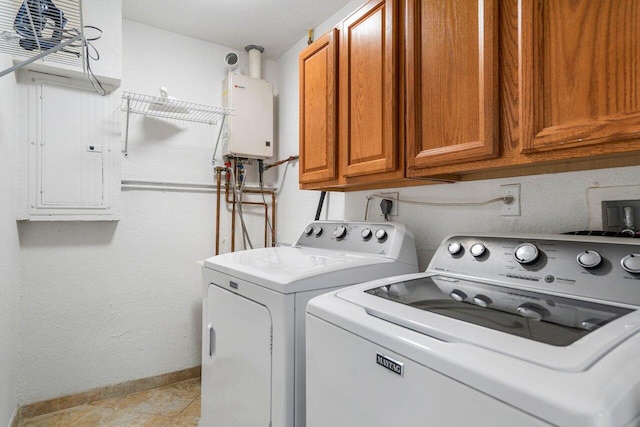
(347, 388)
(239, 366)
(302, 299)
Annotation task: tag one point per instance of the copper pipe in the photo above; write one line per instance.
(233, 216)
(266, 211)
(233, 202)
(218, 190)
(273, 218)
(279, 162)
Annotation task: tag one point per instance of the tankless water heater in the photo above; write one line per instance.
(248, 131)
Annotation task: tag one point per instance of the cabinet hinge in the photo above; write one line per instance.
(271, 345)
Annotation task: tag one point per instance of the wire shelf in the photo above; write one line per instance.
(45, 30)
(172, 108)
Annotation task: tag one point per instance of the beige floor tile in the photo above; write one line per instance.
(173, 405)
(192, 411)
(64, 418)
(161, 401)
(102, 417)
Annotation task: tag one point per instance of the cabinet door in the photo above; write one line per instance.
(451, 75)
(319, 109)
(579, 72)
(368, 90)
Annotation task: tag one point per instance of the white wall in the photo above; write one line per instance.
(105, 303)
(9, 249)
(553, 203)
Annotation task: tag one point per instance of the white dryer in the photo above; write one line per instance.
(499, 331)
(253, 360)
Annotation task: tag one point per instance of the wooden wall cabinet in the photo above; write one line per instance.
(451, 81)
(465, 90)
(318, 66)
(369, 94)
(569, 97)
(350, 136)
(579, 73)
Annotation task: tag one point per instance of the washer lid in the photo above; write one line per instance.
(295, 269)
(554, 331)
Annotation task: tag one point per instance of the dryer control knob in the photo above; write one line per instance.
(526, 253)
(454, 247)
(478, 249)
(308, 231)
(340, 232)
(631, 263)
(317, 231)
(381, 234)
(366, 234)
(458, 295)
(589, 259)
(482, 300)
(532, 311)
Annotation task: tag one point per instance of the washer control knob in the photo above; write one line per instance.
(458, 295)
(366, 234)
(478, 249)
(631, 263)
(308, 231)
(454, 247)
(526, 253)
(317, 231)
(340, 232)
(381, 234)
(482, 300)
(532, 311)
(589, 259)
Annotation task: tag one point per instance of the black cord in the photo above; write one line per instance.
(320, 203)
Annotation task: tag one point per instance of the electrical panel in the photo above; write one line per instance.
(70, 156)
(248, 131)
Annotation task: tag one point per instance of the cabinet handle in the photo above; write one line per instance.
(212, 340)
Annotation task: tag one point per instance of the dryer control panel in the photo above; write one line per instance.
(387, 239)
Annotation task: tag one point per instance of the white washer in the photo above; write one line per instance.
(254, 311)
(499, 331)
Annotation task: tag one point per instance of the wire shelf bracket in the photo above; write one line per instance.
(169, 108)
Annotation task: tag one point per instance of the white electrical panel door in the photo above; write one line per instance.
(70, 153)
(249, 129)
(236, 372)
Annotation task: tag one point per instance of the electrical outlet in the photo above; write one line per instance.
(513, 208)
(393, 197)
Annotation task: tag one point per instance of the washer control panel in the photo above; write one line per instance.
(384, 238)
(604, 268)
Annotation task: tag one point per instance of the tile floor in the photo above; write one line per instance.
(173, 405)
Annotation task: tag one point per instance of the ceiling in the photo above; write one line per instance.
(274, 24)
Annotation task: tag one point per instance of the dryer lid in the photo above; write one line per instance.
(296, 269)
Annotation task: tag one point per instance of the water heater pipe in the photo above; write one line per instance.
(255, 58)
